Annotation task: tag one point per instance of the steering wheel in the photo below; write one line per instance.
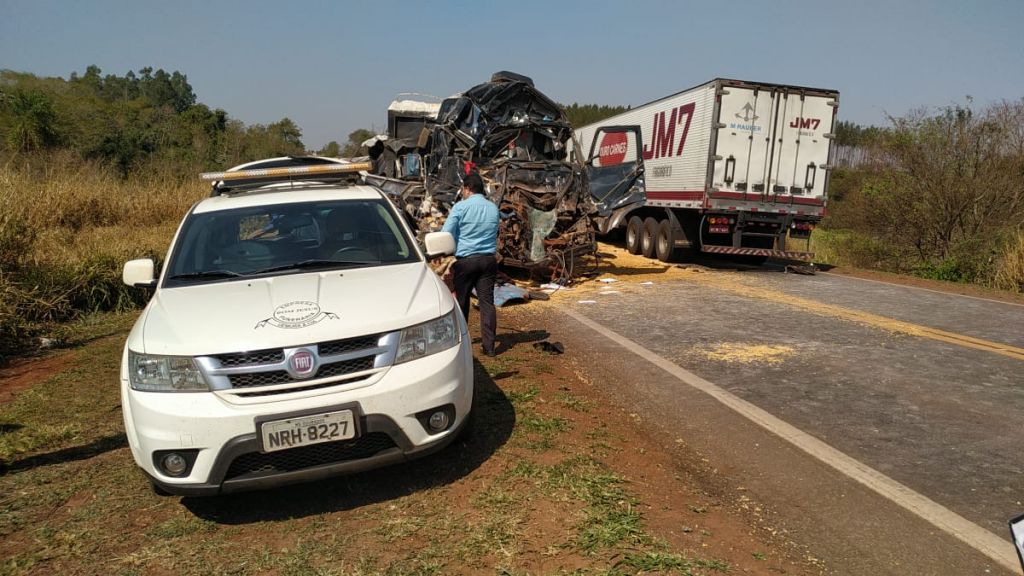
(246, 249)
(357, 252)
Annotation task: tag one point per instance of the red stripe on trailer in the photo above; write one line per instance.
(788, 200)
(809, 201)
(690, 195)
(758, 252)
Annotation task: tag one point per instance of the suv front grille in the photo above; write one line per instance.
(253, 379)
(258, 463)
(349, 345)
(251, 358)
(242, 374)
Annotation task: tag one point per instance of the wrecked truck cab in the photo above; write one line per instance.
(519, 141)
(399, 153)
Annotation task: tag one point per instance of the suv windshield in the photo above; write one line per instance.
(286, 238)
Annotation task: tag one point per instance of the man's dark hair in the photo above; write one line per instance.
(474, 182)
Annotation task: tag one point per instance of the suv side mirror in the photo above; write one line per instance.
(439, 244)
(1017, 532)
(139, 273)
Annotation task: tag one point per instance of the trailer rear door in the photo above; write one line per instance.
(772, 145)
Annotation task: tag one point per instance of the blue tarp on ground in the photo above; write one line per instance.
(508, 292)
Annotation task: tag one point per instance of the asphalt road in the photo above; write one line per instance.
(939, 417)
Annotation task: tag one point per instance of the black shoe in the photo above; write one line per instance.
(490, 353)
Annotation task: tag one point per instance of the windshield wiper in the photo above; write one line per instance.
(311, 264)
(211, 274)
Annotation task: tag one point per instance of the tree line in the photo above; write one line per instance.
(128, 121)
(938, 193)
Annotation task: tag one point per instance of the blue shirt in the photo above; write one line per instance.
(474, 224)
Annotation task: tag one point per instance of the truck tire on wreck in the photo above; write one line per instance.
(634, 235)
(649, 236)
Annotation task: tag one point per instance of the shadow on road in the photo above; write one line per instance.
(510, 338)
(494, 421)
(94, 448)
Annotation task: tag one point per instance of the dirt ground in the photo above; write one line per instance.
(554, 480)
(676, 518)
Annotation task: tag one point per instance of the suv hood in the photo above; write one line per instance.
(290, 310)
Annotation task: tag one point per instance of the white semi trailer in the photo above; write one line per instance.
(728, 167)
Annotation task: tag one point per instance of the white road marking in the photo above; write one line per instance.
(982, 540)
(921, 288)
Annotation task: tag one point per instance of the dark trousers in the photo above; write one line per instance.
(478, 272)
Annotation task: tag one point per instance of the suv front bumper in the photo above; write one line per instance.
(227, 450)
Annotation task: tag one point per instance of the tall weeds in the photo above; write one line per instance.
(939, 194)
(1008, 271)
(66, 228)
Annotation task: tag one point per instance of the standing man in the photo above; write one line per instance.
(473, 222)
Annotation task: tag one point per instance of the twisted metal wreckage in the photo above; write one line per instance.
(518, 140)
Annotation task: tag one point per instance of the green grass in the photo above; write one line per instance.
(61, 411)
(647, 562)
(849, 248)
(180, 526)
(573, 402)
(518, 397)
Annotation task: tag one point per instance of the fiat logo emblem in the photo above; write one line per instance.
(302, 363)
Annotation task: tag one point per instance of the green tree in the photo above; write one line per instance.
(853, 134)
(354, 146)
(288, 135)
(332, 150)
(31, 120)
(583, 114)
(941, 189)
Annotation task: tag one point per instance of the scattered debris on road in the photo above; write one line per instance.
(805, 269)
(549, 347)
(748, 353)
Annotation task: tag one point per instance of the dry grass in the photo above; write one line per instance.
(1009, 267)
(66, 228)
(79, 209)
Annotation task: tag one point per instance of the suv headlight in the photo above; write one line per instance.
(429, 338)
(151, 373)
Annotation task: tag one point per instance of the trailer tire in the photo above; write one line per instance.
(634, 235)
(649, 237)
(665, 242)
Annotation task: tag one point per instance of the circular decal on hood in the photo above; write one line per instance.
(299, 314)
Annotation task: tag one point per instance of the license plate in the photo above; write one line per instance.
(306, 430)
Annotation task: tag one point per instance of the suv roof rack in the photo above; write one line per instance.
(287, 169)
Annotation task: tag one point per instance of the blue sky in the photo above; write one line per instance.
(334, 66)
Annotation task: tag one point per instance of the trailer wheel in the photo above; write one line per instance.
(634, 235)
(649, 237)
(665, 242)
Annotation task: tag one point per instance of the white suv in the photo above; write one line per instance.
(295, 332)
